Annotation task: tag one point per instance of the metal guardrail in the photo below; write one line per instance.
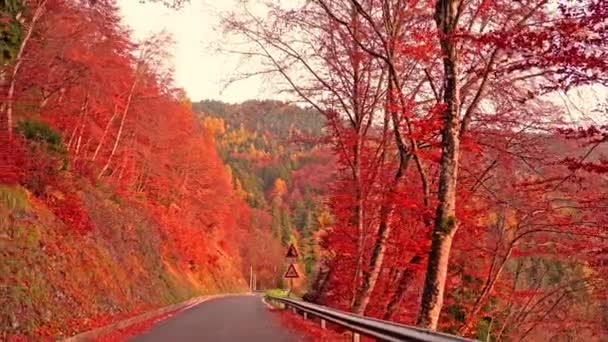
(361, 325)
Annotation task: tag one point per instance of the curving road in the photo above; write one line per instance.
(236, 318)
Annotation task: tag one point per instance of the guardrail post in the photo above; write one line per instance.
(356, 337)
(293, 309)
(305, 315)
(322, 323)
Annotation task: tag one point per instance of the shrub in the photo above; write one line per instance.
(46, 155)
(40, 132)
(276, 292)
(11, 31)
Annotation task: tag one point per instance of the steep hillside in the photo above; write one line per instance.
(58, 282)
(113, 199)
(78, 252)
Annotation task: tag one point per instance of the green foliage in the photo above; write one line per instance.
(47, 155)
(282, 293)
(249, 182)
(257, 143)
(484, 327)
(276, 292)
(548, 272)
(271, 173)
(280, 119)
(305, 218)
(447, 225)
(285, 227)
(276, 220)
(456, 312)
(40, 132)
(10, 29)
(310, 259)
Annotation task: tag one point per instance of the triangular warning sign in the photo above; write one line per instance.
(292, 252)
(291, 272)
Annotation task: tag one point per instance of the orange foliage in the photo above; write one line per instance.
(143, 200)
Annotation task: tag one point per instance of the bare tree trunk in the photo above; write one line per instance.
(371, 275)
(318, 287)
(485, 292)
(78, 141)
(72, 136)
(358, 127)
(122, 169)
(122, 125)
(445, 226)
(80, 125)
(358, 216)
(105, 133)
(10, 96)
(404, 279)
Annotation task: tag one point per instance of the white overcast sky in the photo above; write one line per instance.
(203, 72)
(199, 68)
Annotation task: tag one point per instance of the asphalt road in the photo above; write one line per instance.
(235, 318)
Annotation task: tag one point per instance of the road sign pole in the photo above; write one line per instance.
(292, 257)
(251, 278)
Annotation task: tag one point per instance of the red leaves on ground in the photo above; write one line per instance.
(311, 330)
(135, 329)
(12, 158)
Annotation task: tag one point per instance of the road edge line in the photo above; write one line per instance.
(93, 334)
(268, 305)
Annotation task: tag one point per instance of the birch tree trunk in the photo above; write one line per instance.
(122, 125)
(370, 276)
(359, 215)
(10, 96)
(487, 289)
(105, 133)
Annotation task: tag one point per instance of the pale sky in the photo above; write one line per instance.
(203, 72)
(199, 68)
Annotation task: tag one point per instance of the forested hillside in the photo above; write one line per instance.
(468, 197)
(113, 199)
(440, 170)
(281, 167)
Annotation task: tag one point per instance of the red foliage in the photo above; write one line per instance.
(308, 328)
(12, 158)
(526, 200)
(70, 209)
(130, 135)
(122, 123)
